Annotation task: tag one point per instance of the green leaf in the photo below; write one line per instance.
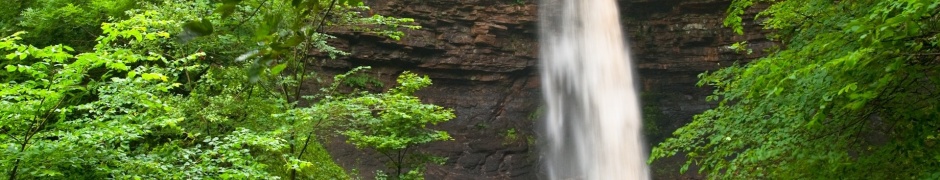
(11, 68)
(137, 35)
(353, 2)
(118, 66)
(153, 76)
(277, 69)
(848, 88)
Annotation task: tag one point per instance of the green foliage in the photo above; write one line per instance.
(393, 122)
(359, 80)
(143, 97)
(537, 113)
(412, 174)
(299, 23)
(61, 21)
(9, 15)
(851, 96)
(59, 121)
(741, 47)
(510, 136)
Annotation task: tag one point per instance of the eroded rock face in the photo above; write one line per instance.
(482, 58)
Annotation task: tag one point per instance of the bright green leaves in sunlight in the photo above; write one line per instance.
(394, 122)
(851, 95)
(57, 120)
(156, 90)
(398, 119)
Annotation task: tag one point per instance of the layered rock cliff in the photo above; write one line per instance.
(482, 57)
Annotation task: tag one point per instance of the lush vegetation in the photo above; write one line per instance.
(196, 89)
(851, 94)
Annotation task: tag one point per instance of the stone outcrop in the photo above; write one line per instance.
(482, 57)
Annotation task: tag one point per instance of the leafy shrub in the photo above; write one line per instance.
(852, 95)
(140, 98)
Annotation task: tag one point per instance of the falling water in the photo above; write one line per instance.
(593, 124)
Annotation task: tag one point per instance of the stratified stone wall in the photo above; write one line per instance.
(482, 57)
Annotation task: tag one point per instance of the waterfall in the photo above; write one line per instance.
(593, 125)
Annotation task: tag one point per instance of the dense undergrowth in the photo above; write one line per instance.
(195, 89)
(850, 94)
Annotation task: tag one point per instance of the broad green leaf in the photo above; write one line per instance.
(118, 66)
(278, 68)
(153, 76)
(131, 74)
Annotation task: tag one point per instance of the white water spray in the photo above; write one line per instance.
(593, 125)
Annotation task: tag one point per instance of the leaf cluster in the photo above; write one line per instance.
(152, 96)
(61, 21)
(851, 95)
